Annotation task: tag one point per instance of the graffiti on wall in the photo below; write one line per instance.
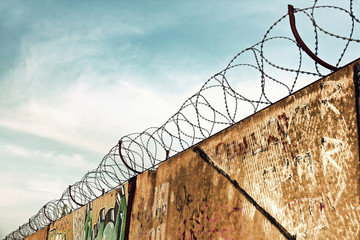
(212, 222)
(274, 131)
(305, 151)
(201, 219)
(61, 229)
(110, 223)
(79, 223)
(152, 219)
(54, 235)
(307, 217)
(102, 219)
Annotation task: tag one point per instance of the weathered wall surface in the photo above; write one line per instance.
(39, 235)
(61, 229)
(186, 198)
(299, 159)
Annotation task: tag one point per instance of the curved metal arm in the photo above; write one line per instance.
(31, 226)
(81, 205)
(122, 159)
(46, 215)
(302, 44)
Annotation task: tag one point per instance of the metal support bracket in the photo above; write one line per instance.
(31, 226)
(301, 43)
(123, 160)
(51, 221)
(73, 199)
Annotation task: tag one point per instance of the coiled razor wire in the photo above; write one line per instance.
(215, 106)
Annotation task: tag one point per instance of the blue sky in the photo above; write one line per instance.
(75, 76)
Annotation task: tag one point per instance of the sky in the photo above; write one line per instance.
(76, 76)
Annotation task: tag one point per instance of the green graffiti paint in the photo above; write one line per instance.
(109, 231)
(121, 218)
(100, 224)
(109, 226)
(88, 223)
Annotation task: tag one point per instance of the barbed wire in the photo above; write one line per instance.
(215, 106)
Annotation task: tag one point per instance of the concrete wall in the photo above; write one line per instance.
(289, 171)
(186, 198)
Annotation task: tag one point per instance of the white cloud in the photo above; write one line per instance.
(23, 197)
(17, 150)
(57, 160)
(87, 116)
(49, 187)
(41, 191)
(82, 107)
(79, 105)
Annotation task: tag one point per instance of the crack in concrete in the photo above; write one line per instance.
(207, 159)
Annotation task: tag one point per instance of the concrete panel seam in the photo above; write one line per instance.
(47, 231)
(131, 196)
(203, 155)
(356, 78)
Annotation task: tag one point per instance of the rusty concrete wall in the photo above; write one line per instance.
(186, 198)
(299, 159)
